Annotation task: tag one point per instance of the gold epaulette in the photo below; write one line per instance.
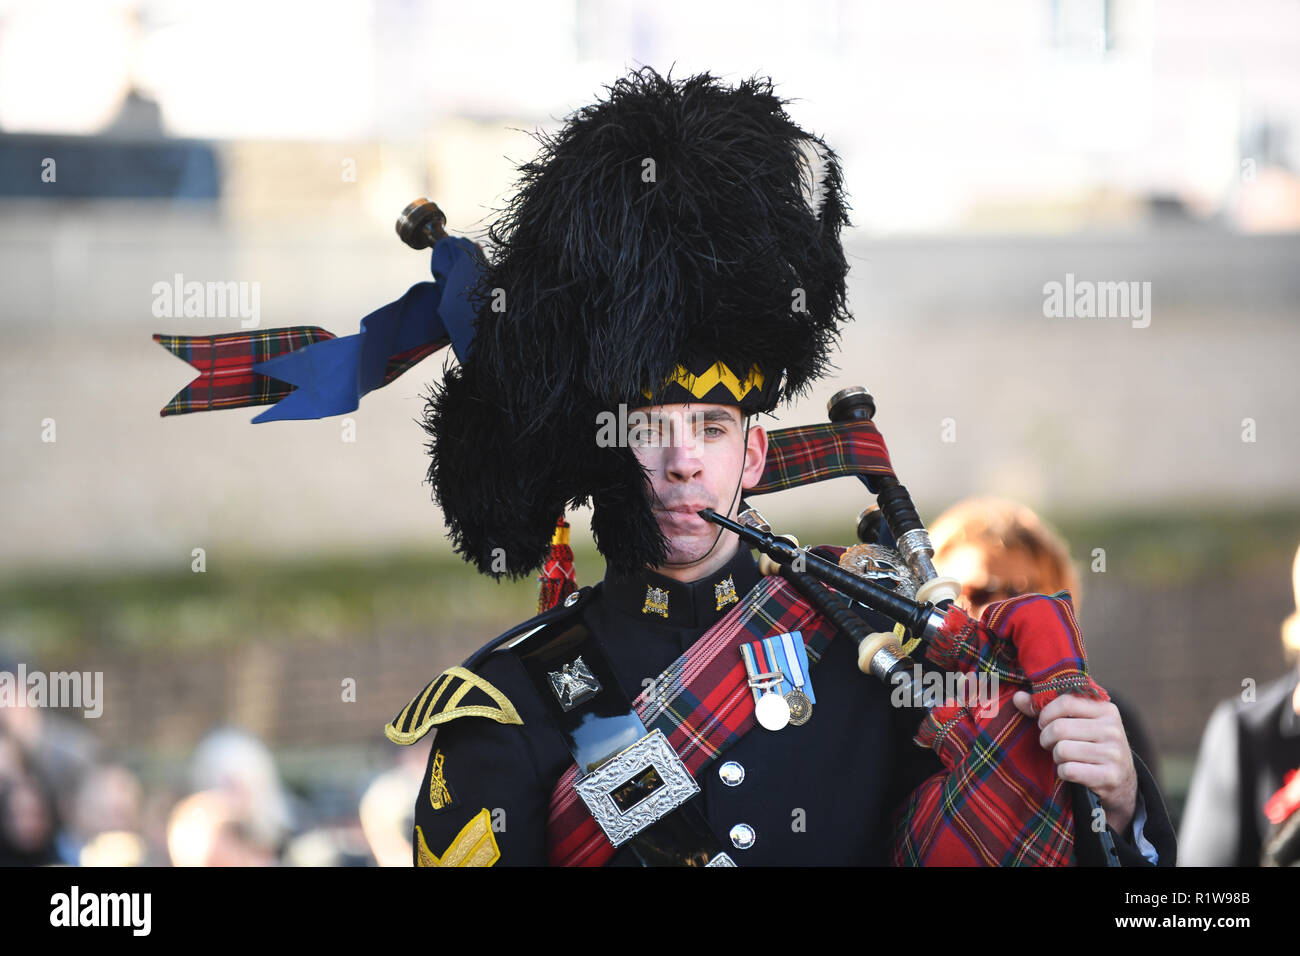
(444, 699)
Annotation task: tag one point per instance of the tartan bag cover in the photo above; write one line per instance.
(999, 801)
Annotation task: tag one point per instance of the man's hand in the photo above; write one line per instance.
(1086, 739)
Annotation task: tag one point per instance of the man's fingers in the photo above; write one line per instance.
(1084, 751)
(1080, 728)
(1105, 780)
(1024, 703)
(1072, 705)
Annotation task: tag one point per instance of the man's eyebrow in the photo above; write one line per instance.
(714, 415)
(710, 415)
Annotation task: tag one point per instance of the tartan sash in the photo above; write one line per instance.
(999, 801)
(702, 703)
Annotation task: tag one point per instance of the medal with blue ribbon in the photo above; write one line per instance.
(778, 678)
(795, 663)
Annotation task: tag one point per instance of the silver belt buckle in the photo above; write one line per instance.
(637, 787)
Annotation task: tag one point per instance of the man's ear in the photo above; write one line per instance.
(755, 456)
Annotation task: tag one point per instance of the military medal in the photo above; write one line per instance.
(772, 711)
(800, 705)
(770, 708)
(778, 677)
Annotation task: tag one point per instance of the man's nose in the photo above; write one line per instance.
(683, 460)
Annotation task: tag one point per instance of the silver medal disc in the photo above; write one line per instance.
(772, 711)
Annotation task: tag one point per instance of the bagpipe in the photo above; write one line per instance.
(999, 801)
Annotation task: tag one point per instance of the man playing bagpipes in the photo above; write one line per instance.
(669, 268)
(673, 260)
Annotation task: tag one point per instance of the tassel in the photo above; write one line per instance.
(558, 578)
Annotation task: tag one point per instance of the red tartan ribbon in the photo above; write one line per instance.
(706, 708)
(225, 365)
(999, 801)
(811, 453)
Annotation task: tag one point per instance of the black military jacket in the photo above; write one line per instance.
(825, 793)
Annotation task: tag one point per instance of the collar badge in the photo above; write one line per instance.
(725, 592)
(656, 601)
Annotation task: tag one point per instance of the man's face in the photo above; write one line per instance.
(697, 456)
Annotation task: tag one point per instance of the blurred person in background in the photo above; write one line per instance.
(387, 816)
(60, 746)
(241, 767)
(10, 756)
(29, 821)
(155, 815)
(1244, 801)
(208, 829)
(106, 821)
(999, 549)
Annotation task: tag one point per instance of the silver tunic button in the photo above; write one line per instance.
(732, 773)
(742, 836)
(571, 600)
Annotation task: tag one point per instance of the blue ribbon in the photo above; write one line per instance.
(331, 376)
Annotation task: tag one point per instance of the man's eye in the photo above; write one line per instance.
(715, 431)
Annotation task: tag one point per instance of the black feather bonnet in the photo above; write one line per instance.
(670, 227)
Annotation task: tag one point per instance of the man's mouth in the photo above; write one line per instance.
(687, 510)
(683, 517)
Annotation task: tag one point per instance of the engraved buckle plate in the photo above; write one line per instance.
(611, 790)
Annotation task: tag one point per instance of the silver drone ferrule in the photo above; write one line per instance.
(885, 660)
(917, 551)
(933, 623)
